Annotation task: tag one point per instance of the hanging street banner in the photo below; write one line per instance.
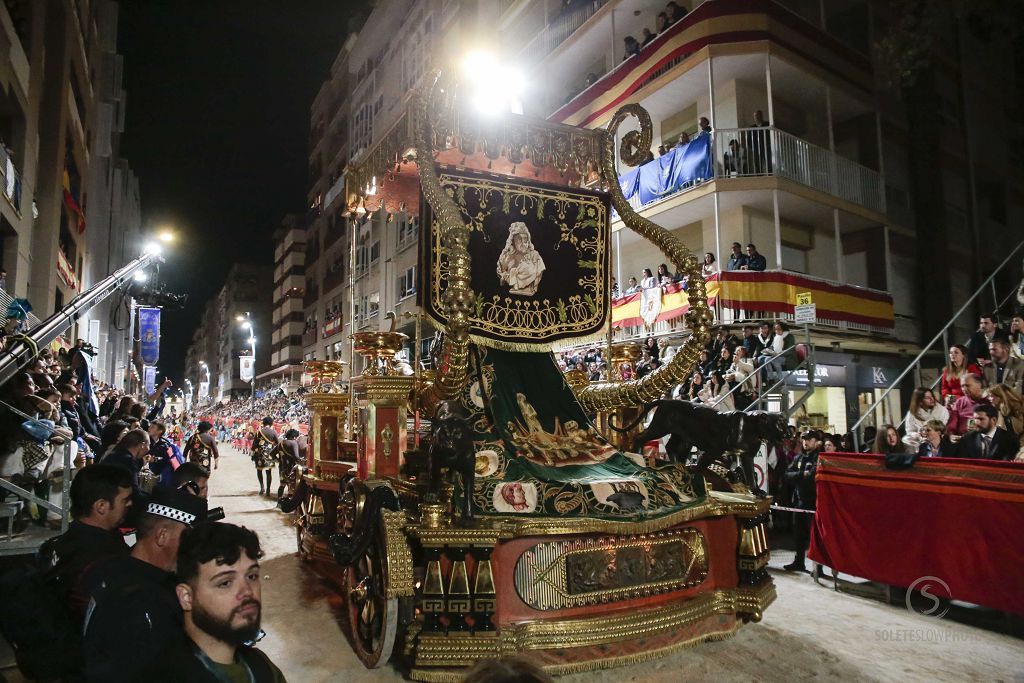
(540, 267)
(149, 335)
(149, 378)
(204, 390)
(247, 365)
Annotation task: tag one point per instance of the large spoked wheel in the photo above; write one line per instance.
(373, 617)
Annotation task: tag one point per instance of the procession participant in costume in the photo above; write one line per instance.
(264, 453)
(202, 447)
(289, 456)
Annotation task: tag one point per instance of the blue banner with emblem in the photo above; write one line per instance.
(149, 335)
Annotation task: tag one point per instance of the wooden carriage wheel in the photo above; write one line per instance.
(373, 617)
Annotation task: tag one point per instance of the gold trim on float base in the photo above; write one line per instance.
(445, 652)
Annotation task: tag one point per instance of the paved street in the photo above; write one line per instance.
(811, 632)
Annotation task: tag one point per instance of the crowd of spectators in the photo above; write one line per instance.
(751, 260)
(275, 404)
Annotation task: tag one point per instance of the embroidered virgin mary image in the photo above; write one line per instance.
(520, 265)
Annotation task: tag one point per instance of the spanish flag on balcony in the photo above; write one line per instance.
(69, 201)
(767, 292)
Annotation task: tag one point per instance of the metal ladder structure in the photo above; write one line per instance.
(942, 336)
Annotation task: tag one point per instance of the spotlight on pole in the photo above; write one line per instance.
(494, 88)
(140, 276)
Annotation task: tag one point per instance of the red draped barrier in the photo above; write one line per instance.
(957, 520)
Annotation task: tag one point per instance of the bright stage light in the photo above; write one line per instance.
(141, 276)
(493, 88)
(153, 248)
(166, 236)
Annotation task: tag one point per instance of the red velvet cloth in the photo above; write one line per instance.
(954, 519)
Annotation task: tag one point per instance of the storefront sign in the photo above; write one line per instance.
(876, 375)
(824, 376)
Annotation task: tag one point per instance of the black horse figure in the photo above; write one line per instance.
(712, 432)
(451, 447)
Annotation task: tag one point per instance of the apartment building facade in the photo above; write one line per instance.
(70, 208)
(289, 316)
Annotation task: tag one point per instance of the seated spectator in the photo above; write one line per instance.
(716, 393)
(934, 443)
(1010, 405)
(887, 440)
(923, 408)
(1016, 336)
(780, 356)
(696, 385)
(987, 440)
(709, 267)
(833, 444)
(1004, 368)
(962, 411)
(632, 47)
(651, 345)
(952, 375)
(647, 37)
(738, 372)
(645, 364)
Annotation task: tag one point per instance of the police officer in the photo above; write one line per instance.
(800, 477)
(132, 610)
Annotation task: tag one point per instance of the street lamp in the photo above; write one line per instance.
(246, 323)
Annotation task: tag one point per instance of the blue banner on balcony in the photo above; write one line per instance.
(685, 165)
(149, 335)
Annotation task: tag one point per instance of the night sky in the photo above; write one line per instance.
(218, 99)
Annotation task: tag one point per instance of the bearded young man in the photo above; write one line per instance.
(219, 592)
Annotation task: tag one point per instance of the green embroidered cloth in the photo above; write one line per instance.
(538, 453)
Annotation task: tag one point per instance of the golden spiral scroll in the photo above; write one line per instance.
(633, 151)
(458, 298)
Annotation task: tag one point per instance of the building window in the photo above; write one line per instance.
(408, 231)
(407, 283)
(374, 304)
(375, 252)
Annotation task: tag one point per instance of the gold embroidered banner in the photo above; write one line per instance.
(540, 263)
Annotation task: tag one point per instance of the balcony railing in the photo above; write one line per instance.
(560, 27)
(753, 295)
(753, 152)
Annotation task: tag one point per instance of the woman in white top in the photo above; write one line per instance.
(648, 281)
(709, 267)
(741, 367)
(923, 407)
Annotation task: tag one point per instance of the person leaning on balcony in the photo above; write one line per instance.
(661, 22)
(755, 261)
(705, 124)
(664, 277)
(887, 440)
(633, 287)
(737, 260)
(674, 12)
(962, 411)
(709, 267)
(648, 281)
(954, 372)
(760, 143)
(647, 37)
(632, 47)
(923, 408)
(1004, 368)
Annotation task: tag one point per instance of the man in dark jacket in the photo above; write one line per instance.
(219, 592)
(987, 440)
(737, 260)
(100, 497)
(800, 478)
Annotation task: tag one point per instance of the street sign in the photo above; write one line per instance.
(805, 314)
(804, 299)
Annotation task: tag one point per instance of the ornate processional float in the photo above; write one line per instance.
(519, 524)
